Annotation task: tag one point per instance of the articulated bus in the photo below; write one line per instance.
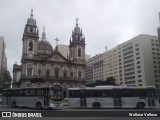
(44, 97)
(113, 97)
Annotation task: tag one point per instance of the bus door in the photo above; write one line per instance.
(83, 98)
(8, 97)
(46, 97)
(151, 97)
(117, 98)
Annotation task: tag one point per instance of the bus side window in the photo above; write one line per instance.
(4, 93)
(106, 93)
(39, 92)
(16, 92)
(26, 92)
(8, 93)
(74, 93)
(32, 92)
(20, 93)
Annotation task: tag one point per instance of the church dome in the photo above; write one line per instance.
(77, 28)
(44, 47)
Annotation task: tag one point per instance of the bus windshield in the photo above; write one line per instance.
(55, 94)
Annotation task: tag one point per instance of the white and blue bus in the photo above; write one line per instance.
(44, 97)
(113, 97)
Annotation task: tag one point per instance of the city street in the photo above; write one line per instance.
(69, 110)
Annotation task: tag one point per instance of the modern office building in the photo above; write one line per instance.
(158, 29)
(110, 64)
(3, 58)
(89, 71)
(139, 61)
(94, 68)
(97, 67)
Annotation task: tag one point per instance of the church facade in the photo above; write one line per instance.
(41, 65)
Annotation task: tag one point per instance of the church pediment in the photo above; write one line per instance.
(58, 57)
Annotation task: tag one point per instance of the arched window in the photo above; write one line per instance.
(47, 73)
(78, 38)
(79, 75)
(29, 70)
(30, 48)
(39, 72)
(39, 69)
(79, 52)
(31, 30)
(56, 72)
(65, 74)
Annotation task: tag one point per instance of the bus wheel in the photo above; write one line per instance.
(38, 105)
(140, 105)
(96, 105)
(13, 104)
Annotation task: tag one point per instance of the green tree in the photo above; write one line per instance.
(6, 80)
(96, 83)
(110, 81)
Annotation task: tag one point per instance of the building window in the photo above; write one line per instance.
(34, 85)
(155, 66)
(64, 85)
(39, 72)
(154, 62)
(30, 48)
(38, 84)
(47, 84)
(138, 66)
(140, 80)
(138, 62)
(138, 58)
(29, 72)
(137, 53)
(79, 52)
(72, 74)
(56, 72)
(72, 85)
(79, 75)
(78, 38)
(65, 74)
(27, 84)
(47, 73)
(139, 71)
(156, 80)
(137, 45)
(156, 76)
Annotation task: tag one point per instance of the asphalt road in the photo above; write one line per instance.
(67, 109)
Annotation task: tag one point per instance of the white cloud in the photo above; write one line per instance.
(104, 22)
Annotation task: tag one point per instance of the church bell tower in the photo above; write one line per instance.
(30, 37)
(77, 44)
